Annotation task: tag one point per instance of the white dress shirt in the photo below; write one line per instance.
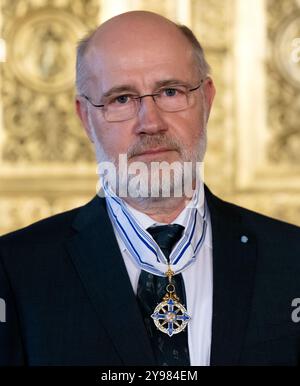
(198, 282)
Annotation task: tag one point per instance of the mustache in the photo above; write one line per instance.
(148, 142)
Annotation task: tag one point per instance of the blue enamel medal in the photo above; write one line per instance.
(170, 316)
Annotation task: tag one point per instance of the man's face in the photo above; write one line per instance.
(137, 62)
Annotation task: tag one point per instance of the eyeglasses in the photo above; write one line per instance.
(125, 106)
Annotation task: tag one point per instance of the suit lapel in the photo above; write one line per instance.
(233, 279)
(97, 258)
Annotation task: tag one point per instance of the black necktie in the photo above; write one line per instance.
(169, 351)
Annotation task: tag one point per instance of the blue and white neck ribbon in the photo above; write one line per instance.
(144, 250)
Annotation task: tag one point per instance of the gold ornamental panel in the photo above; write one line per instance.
(287, 49)
(46, 161)
(42, 47)
(283, 86)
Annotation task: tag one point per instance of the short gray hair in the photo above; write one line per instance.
(81, 70)
(204, 67)
(83, 44)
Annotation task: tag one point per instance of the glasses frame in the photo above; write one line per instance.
(140, 97)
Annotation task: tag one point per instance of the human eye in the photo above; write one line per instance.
(172, 91)
(120, 100)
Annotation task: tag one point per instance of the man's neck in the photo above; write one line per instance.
(163, 210)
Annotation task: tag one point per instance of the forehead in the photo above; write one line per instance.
(140, 59)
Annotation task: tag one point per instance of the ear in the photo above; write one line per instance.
(209, 94)
(82, 112)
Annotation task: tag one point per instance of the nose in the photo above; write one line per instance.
(150, 120)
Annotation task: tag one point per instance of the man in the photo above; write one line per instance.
(147, 279)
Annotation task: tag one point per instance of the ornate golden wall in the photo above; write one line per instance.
(46, 162)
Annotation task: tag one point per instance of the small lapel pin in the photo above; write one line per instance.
(244, 239)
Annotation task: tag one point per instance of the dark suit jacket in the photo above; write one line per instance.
(69, 300)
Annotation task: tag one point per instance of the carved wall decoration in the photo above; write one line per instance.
(17, 212)
(37, 81)
(213, 21)
(41, 50)
(46, 161)
(256, 111)
(286, 38)
(284, 82)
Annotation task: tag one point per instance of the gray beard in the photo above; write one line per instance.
(137, 186)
